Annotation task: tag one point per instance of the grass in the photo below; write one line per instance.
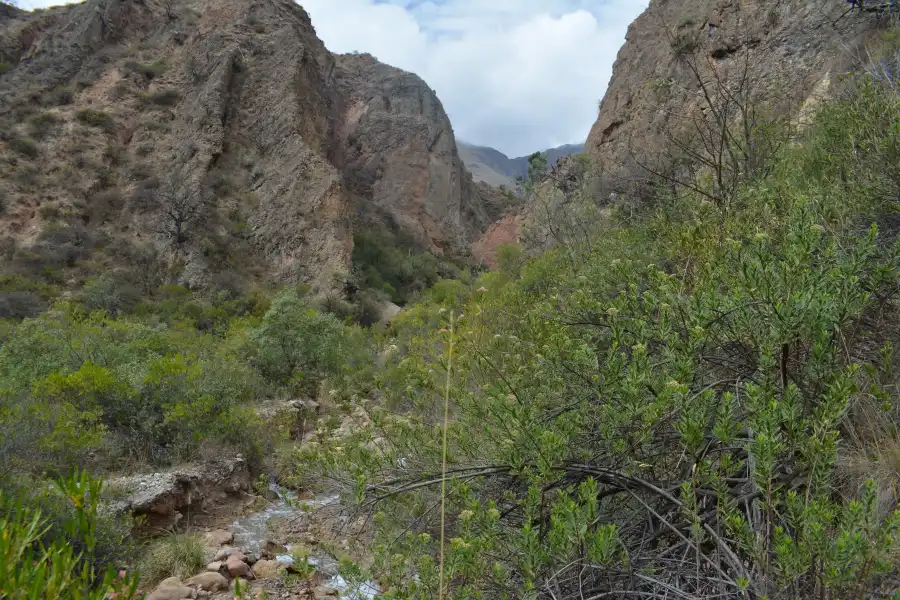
(117, 490)
(178, 555)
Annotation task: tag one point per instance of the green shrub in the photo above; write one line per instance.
(123, 391)
(19, 305)
(297, 344)
(23, 146)
(57, 246)
(106, 204)
(164, 97)
(62, 552)
(388, 264)
(177, 555)
(662, 412)
(96, 118)
(5, 67)
(109, 294)
(42, 124)
(147, 70)
(59, 96)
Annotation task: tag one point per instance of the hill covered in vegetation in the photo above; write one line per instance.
(682, 382)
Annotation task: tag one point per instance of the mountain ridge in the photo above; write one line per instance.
(215, 138)
(493, 167)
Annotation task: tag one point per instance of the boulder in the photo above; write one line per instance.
(219, 537)
(225, 552)
(208, 582)
(163, 497)
(171, 589)
(238, 568)
(215, 566)
(271, 549)
(268, 569)
(325, 591)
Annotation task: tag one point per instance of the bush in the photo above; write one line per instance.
(58, 245)
(177, 555)
(164, 97)
(59, 550)
(105, 205)
(24, 146)
(59, 96)
(96, 118)
(109, 294)
(663, 411)
(49, 212)
(123, 391)
(20, 305)
(42, 124)
(387, 264)
(297, 344)
(147, 70)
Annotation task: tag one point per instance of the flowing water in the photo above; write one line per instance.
(251, 530)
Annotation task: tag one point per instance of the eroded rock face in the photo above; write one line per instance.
(165, 496)
(396, 148)
(790, 47)
(234, 113)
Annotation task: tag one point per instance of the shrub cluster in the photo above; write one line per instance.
(664, 410)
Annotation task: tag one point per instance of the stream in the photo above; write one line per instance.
(251, 530)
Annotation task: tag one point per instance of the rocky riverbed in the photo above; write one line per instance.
(272, 548)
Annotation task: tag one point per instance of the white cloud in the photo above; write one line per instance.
(518, 75)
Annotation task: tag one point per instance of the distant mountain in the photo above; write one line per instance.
(495, 168)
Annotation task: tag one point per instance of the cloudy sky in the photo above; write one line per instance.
(518, 75)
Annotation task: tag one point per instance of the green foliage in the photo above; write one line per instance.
(23, 146)
(385, 264)
(510, 258)
(176, 555)
(147, 70)
(663, 411)
(96, 118)
(109, 294)
(163, 97)
(59, 96)
(18, 305)
(5, 67)
(60, 554)
(537, 172)
(295, 344)
(42, 124)
(82, 384)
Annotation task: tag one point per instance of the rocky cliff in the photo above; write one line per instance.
(395, 145)
(217, 138)
(788, 46)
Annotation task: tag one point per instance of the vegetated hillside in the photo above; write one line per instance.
(699, 400)
(689, 392)
(495, 168)
(684, 65)
(213, 142)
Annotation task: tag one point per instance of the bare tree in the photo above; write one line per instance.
(721, 138)
(182, 205)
